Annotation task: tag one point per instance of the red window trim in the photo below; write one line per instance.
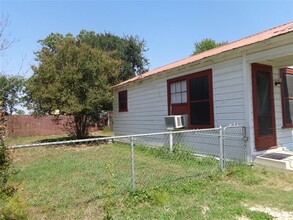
(124, 92)
(282, 72)
(211, 100)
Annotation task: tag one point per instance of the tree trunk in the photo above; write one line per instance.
(81, 126)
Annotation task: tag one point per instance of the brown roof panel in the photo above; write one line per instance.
(280, 30)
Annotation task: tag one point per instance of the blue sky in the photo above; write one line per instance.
(170, 28)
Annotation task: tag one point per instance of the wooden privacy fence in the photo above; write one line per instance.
(27, 126)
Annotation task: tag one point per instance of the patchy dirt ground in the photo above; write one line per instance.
(276, 213)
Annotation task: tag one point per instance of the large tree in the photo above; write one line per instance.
(129, 50)
(74, 78)
(206, 44)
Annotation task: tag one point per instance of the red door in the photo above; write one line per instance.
(263, 107)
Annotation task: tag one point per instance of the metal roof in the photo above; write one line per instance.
(277, 31)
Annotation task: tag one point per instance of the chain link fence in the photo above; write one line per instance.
(81, 171)
(210, 150)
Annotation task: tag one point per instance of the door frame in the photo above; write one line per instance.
(264, 142)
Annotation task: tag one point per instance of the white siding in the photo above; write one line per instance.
(147, 102)
(232, 94)
(228, 93)
(147, 106)
(284, 135)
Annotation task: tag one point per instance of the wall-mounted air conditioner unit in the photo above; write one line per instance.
(175, 121)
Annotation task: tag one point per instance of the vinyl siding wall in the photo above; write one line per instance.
(232, 93)
(228, 93)
(284, 135)
(147, 106)
(147, 101)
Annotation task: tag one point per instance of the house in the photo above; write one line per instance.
(248, 82)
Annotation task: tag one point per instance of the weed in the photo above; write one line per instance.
(155, 196)
(244, 173)
(12, 208)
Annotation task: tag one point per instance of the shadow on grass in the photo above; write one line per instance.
(68, 138)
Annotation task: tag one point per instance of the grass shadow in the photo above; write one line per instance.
(68, 138)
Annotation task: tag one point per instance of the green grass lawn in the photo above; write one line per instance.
(94, 182)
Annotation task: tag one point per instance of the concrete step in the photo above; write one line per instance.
(278, 160)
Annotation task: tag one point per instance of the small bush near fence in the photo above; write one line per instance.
(9, 202)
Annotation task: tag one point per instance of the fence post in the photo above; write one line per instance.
(244, 144)
(222, 160)
(132, 163)
(171, 141)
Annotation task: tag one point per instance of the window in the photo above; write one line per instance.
(192, 95)
(286, 75)
(178, 92)
(122, 101)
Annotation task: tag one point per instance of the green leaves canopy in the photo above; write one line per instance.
(206, 44)
(129, 50)
(73, 78)
(11, 88)
(74, 74)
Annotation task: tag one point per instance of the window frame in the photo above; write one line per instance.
(285, 71)
(120, 101)
(181, 92)
(186, 105)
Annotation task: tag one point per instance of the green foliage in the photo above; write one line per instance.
(243, 173)
(9, 204)
(10, 92)
(129, 50)
(6, 190)
(20, 112)
(155, 196)
(179, 154)
(75, 79)
(206, 44)
(12, 208)
(76, 74)
(255, 215)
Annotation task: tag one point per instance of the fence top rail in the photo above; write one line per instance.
(233, 126)
(109, 138)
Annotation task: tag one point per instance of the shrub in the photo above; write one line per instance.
(7, 191)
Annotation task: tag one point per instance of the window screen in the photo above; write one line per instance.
(199, 101)
(122, 101)
(199, 88)
(287, 96)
